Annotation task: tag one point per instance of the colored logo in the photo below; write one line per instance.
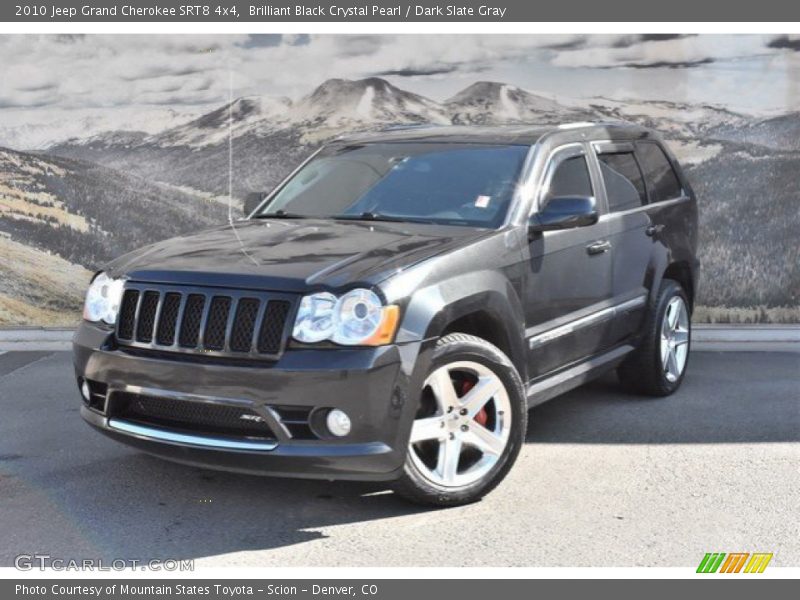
(734, 562)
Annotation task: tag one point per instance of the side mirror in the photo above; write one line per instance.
(564, 212)
(251, 202)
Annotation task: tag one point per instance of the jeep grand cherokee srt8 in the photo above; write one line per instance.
(393, 308)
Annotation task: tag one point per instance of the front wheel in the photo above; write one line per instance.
(658, 365)
(469, 427)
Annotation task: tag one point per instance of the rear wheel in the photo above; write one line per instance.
(657, 367)
(469, 426)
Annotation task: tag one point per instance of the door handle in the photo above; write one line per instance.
(651, 230)
(599, 247)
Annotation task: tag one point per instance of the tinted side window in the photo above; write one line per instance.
(571, 178)
(662, 182)
(624, 183)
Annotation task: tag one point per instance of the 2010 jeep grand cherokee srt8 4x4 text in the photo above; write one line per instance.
(393, 309)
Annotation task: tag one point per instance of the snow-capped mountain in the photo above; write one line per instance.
(341, 103)
(336, 106)
(675, 119)
(240, 117)
(489, 102)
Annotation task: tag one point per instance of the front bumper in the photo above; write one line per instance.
(372, 385)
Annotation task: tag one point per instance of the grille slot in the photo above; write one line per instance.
(271, 334)
(217, 323)
(244, 323)
(147, 317)
(205, 322)
(192, 318)
(127, 314)
(190, 416)
(168, 321)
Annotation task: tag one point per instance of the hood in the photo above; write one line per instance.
(290, 254)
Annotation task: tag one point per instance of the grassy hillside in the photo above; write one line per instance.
(61, 218)
(37, 288)
(749, 222)
(87, 213)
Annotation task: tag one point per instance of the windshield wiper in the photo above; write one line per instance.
(371, 216)
(281, 214)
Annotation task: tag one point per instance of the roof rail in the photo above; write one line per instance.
(576, 124)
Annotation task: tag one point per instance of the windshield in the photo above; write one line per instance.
(460, 184)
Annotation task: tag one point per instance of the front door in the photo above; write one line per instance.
(568, 284)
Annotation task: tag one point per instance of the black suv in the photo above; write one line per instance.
(393, 309)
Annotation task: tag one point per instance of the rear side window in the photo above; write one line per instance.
(623, 179)
(662, 182)
(571, 178)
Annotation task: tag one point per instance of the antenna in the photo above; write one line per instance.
(230, 146)
(230, 167)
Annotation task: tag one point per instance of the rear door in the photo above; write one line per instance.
(627, 222)
(568, 284)
(636, 177)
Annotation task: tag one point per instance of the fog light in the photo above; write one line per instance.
(85, 392)
(338, 422)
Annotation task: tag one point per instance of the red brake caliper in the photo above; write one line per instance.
(481, 417)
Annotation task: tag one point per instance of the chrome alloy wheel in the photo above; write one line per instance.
(463, 425)
(675, 339)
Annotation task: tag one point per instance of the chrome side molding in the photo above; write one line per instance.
(604, 314)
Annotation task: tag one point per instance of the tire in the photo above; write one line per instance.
(486, 391)
(645, 371)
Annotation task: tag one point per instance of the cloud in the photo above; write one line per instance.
(785, 42)
(664, 64)
(359, 45)
(631, 40)
(13, 102)
(156, 71)
(37, 87)
(418, 72)
(262, 40)
(658, 51)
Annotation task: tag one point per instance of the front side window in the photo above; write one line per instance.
(449, 183)
(571, 178)
(624, 183)
(662, 182)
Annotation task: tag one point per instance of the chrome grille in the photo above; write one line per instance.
(209, 322)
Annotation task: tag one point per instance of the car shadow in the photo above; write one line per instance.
(726, 397)
(129, 505)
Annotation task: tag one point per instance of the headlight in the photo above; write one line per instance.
(358, 318)
(103, 299)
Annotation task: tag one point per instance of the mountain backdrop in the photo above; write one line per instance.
(74, 203)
